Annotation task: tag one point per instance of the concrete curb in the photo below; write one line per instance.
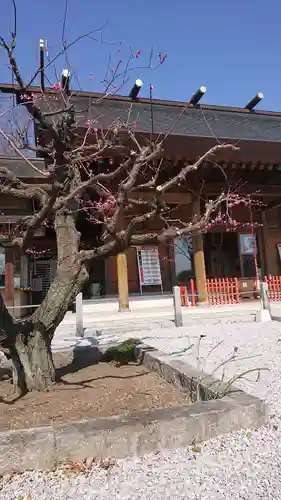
(136, 434)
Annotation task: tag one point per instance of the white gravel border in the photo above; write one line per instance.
(243, 465)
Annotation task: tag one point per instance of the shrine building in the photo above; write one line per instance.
(254, 249)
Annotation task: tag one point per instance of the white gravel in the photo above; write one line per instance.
(243, 465)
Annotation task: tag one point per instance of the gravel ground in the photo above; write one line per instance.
(243, 465)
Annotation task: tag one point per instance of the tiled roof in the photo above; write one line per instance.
(200, 121)
(195, 122)
(21, 168)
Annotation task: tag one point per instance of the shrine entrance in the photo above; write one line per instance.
(222, 255)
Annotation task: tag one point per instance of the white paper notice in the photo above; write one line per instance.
(149, 266)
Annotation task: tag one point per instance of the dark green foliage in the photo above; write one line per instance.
(121, 354)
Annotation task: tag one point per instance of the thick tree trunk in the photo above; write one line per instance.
(31, 353)
(33, 360)
(33, 363)
(28, 350)
(35, 369)
(28, 344)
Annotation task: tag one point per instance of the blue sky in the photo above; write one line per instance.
(231, 47)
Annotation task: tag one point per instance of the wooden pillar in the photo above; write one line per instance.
(199, 260)
(265, 253)
(9, 277)
(122, 278)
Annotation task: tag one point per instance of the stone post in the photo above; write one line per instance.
(79, 315)
(177, 306)
(264, 315)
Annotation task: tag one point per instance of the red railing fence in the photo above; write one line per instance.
(274, 287)
(220, 291)
(230, 290)
(223, 291)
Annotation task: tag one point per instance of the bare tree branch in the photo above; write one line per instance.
(178, 179)
(17, 150)
(97, 171)
(39, 218)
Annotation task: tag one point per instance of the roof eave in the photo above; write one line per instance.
(12, 88)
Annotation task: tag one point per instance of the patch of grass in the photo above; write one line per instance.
(196, 449)
(122, 354)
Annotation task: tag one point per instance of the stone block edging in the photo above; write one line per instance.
(136, 434)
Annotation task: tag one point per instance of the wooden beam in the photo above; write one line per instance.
(273, 205)
(199, 260)
(122, 277)
(178, 197)
(265, 253)
(211, 188)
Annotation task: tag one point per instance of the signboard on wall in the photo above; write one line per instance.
(149, 267)
(247, 244)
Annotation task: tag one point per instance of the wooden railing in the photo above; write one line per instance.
(230, 290)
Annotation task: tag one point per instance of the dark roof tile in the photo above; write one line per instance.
(194, 122)
(21, 168)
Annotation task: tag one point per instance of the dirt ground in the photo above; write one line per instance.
(95, 391)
